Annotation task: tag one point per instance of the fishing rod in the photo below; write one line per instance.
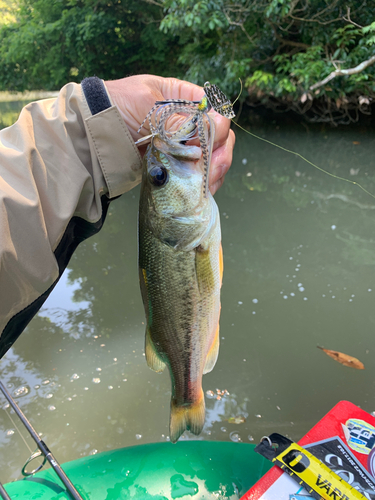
(3, 494)
(43, 449)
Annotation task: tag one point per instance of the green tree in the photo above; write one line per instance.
(315, 57)
(56, 41)
(7, 12)
(312, 56)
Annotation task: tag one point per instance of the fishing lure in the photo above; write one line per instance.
(197, 112)
(219, 101)
(213, 98)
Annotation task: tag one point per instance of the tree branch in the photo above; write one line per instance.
(153, 2)
(344, 72)
(288, 42)
(347, 18)
(239, 24)
(315, 17)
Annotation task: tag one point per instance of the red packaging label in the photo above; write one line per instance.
(344, 440)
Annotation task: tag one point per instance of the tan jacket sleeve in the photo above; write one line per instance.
(59, 168)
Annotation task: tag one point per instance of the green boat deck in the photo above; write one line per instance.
(159, 471)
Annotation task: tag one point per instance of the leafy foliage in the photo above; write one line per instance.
(281, 49)
(54, 42)
(7, 12)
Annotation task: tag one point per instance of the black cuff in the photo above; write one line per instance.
(96, 95)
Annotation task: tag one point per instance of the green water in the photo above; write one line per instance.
(299, 271)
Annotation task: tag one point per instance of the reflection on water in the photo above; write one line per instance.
(299, 255)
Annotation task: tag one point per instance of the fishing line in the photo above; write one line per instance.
(239, 95)
(19, 432)
(298, 154)
(42, 447)
(306, 160)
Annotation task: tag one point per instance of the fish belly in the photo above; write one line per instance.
(181, 295)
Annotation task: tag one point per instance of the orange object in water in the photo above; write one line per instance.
(344, 359)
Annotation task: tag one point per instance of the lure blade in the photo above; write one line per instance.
(218, 100)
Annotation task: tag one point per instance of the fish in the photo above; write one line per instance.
(344, 359)
(180, 266)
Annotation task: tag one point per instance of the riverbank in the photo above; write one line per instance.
(29, 95)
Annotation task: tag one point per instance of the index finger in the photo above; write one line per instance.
(173, 88)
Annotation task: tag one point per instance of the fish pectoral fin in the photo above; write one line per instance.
(204, 271)
(152, 356)
(221, 263)
(213, 354)
(187, 417)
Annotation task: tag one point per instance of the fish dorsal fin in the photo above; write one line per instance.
(213, 354)
(152, 357)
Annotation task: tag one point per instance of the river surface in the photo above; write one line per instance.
(299, 271)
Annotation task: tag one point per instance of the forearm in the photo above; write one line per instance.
(59, 167)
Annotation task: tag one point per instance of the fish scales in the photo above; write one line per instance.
(175, 313)
(177, 310)
(180, 270)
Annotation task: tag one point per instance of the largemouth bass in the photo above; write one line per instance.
(180, 271)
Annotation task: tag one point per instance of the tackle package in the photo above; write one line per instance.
(306, 469)
(335, 460)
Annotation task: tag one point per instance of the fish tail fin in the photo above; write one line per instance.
(188, 417)
(195, 415)
(177, 424)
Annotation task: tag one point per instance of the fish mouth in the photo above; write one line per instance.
(182, 152)
(185, 160)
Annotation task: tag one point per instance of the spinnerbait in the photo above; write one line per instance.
(197, 111)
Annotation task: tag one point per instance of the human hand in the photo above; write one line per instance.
(136, 95)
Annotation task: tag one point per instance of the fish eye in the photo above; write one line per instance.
(158, 176)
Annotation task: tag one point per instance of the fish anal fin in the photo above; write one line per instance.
(187, 417)
(213, 354)
(152, 357)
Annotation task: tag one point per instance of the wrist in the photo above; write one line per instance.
(96, 94)
(122, 98)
